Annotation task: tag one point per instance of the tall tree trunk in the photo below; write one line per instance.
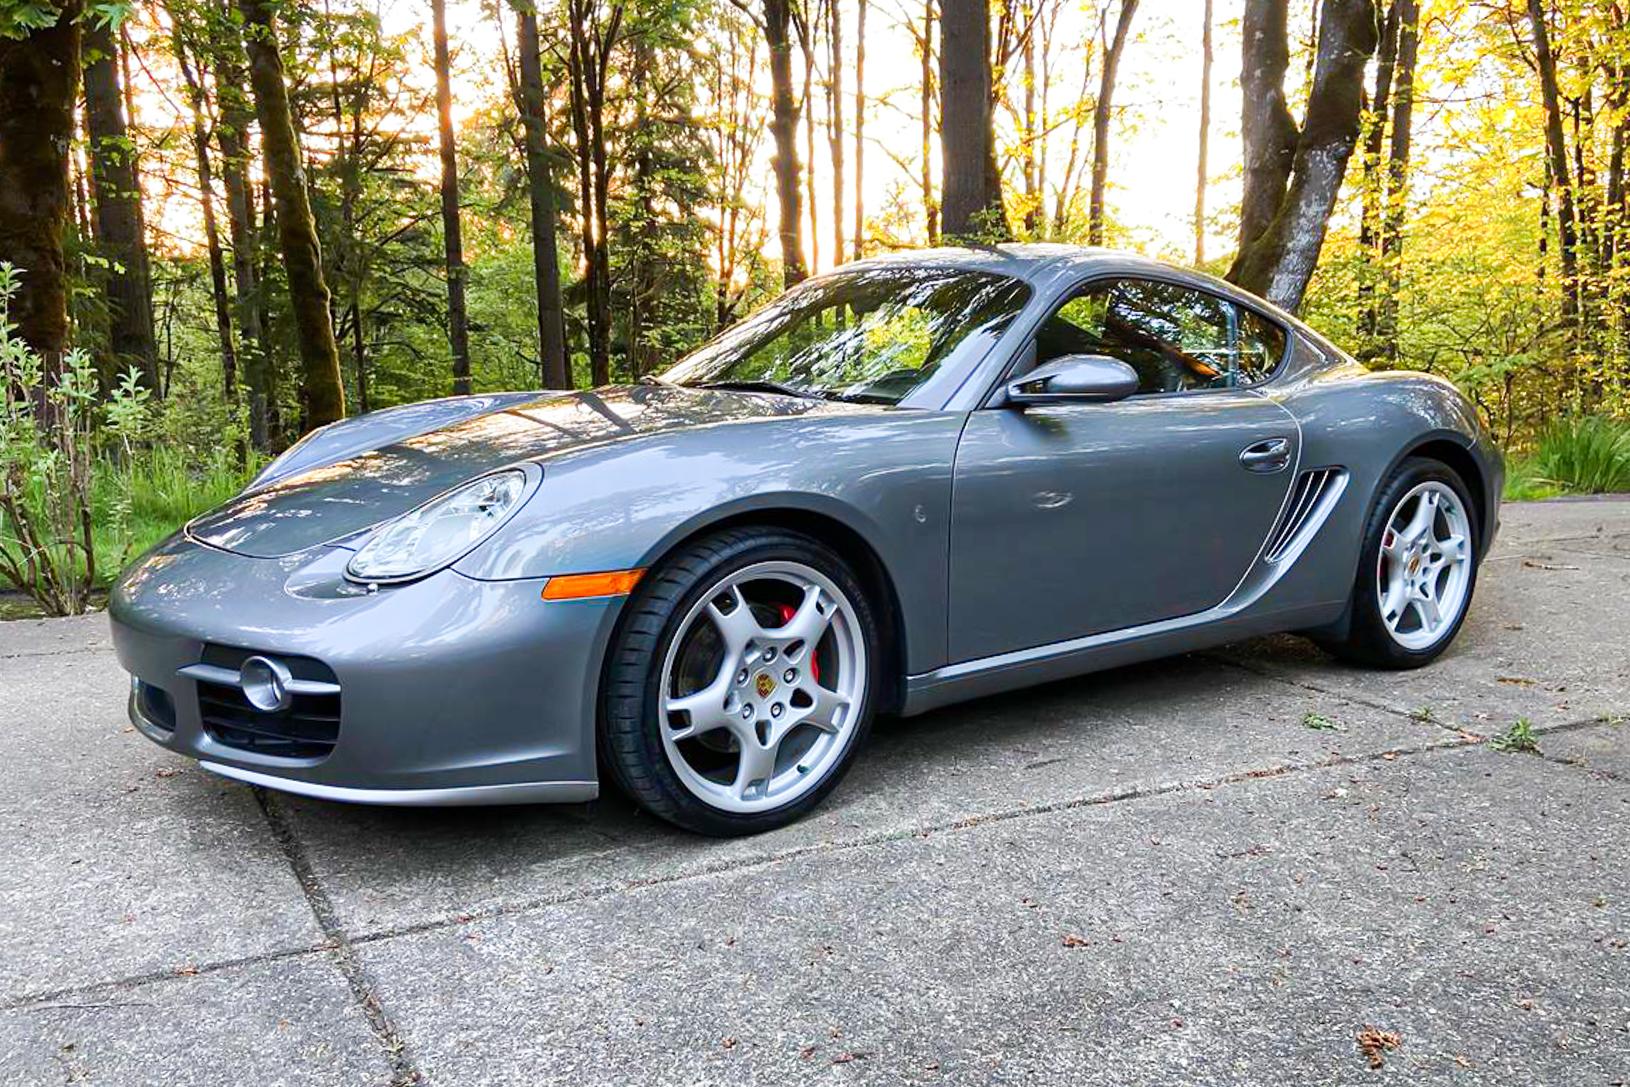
(212, 233)
(1392, 225)
(1202, 165)
(931, 207)
(39, 82)
(1269, 133)
(233, 134)
(322, 394)
(591, 43)
(1064, 205)
(1100, 120)
(834, 122)
(1290, 215)
(784, 130)
(345, 261)
(859, 246)
(458, 320)
(1030, 157)
(1557, 151)
(807, 44)
(969, 206)
(120, 230)
(552, 368)
(1374, 194)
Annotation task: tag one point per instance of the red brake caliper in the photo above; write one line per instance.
(787, 612)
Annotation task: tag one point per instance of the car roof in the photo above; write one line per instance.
(1044, 264)
(1040, 263)
(1022, 260)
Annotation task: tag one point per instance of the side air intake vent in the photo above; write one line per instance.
(1311, 496)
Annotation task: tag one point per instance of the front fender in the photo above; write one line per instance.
(884, 476)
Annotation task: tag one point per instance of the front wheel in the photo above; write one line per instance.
(741, 682)
(1417, 570)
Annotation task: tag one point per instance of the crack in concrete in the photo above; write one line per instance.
(747, 864)
(403, 1071)
(1595, 721)
(1345, 696)
(30, 1001)
(30, 655)
(342, 946)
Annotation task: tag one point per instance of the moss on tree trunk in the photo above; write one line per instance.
(39, 80)
(120, 230)
(322, 396)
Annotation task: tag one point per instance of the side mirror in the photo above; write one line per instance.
(1075, 379)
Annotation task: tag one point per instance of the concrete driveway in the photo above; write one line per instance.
(1156, 875)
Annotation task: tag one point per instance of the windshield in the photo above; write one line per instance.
(871, 335)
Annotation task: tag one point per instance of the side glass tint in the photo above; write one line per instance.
(1261, 346)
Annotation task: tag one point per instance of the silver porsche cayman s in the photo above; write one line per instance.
(916, 480)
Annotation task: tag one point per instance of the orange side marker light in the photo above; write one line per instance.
(582, 586)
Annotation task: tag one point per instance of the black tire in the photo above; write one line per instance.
(631, 745)
(1368, 641)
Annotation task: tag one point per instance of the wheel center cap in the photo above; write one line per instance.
(764, 684)
(1414, 564)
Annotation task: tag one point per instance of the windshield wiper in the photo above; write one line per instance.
(759, 386)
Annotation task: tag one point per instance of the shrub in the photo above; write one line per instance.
(49, 464)
(1585, 454)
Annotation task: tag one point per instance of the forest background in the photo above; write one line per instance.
(226, 222)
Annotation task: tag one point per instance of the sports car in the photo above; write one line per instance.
(920, 479)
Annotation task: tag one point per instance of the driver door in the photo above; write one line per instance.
(1072, 519)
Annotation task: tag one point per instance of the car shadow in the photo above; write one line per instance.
(1024, 723)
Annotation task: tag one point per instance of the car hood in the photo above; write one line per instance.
(334, 501)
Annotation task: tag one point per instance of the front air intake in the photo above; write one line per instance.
(1311, 496)
(305, 726)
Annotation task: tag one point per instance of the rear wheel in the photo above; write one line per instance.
(741, 682)
(1418, 569)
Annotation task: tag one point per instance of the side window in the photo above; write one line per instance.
(1261, 346)
(1176, 338)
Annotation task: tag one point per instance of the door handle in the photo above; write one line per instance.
(1269, 455)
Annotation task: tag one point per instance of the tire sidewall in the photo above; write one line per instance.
(640, 762)
(1370, 631)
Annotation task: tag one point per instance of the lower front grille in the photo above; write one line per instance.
(307, 728)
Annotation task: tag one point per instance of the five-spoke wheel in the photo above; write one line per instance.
(759, 687)
(741, 680)
(1419, 569)
(1424, 565)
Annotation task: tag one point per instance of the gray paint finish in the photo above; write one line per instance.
(1018, 545)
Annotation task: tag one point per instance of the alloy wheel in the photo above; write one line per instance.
(762, 686)
(1424, 569)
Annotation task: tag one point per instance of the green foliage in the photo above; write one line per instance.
(1524, 483)
(1318, 722)
(47, 466)
(20, 18)
(88, 479)
(161, 489)
(1518, 739)
(1585, 454)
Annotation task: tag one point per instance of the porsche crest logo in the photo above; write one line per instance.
(764, 685)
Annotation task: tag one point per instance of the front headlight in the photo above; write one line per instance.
(441, 531)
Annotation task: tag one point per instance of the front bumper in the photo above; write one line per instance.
(453, 690)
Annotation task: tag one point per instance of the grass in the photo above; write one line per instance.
(1318, 722)
(1581, 454)
(166, 487)
(1518, 739)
